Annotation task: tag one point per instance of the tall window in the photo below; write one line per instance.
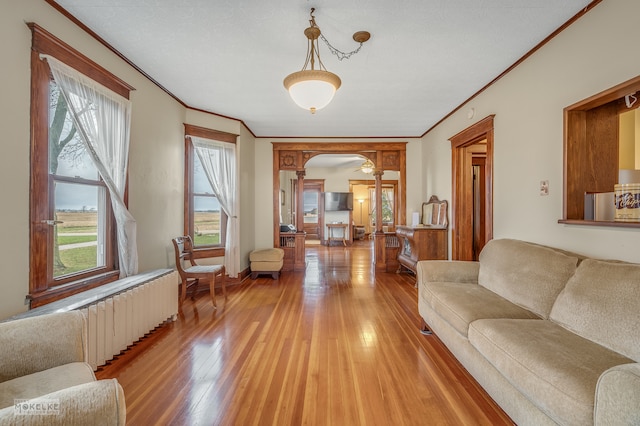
(208, 220)
(388, 205)
(80, 202)
(72, 230)
(205, 220)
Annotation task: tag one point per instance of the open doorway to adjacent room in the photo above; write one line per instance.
(472, 198)
(364, 212)
(313, 211)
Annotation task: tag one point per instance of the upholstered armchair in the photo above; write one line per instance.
(43, 363)
(359, 231)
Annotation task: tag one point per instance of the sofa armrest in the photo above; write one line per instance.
(93, 403)
(458, 271)
(38, 343)
(618, 396)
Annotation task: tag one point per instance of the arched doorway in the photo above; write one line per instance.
(290, 159)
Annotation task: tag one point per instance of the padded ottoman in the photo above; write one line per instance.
(266, 261)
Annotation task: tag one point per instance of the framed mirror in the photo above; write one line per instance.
(434, 213)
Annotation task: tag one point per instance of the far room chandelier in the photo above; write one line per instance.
(367, 166)
(313, 89)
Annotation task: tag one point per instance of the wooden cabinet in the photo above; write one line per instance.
(421, 243)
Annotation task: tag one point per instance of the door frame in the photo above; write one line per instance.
(462, 188)
(294, 155)
(319, 185)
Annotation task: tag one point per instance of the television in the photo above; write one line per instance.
(338, 201)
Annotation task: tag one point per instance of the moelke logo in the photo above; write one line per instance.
(36, 407)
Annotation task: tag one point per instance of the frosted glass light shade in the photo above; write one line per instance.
(367, 166)
(312, 89)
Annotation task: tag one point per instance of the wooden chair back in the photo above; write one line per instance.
(183, 248)
(192, 273)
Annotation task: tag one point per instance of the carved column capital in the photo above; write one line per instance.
(301, 173)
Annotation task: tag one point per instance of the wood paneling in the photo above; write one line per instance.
(337, 344)
(591, 147)
(592, 151)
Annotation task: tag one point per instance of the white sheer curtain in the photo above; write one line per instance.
(103, 119)
(220, 165)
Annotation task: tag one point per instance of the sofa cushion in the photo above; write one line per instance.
(526, 274)
(44, 382)
(462, 303)
(553, 367)
(601, 302)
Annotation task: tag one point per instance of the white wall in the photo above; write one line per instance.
(593, 54)
(156, 166)
(246, 149)
(264, 182)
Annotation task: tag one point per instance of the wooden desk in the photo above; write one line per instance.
(343, 237)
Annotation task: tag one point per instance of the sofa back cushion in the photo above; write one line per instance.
(601, 302)
(529, 275)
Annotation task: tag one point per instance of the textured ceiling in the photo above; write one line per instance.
(229, 57)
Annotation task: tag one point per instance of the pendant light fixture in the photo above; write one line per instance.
(367, 166)
(312, 89)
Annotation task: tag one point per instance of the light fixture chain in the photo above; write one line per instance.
(340, 54)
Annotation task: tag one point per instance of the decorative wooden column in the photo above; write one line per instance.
(300, 201)
(294, 250)
(299, 256)
(379, 238)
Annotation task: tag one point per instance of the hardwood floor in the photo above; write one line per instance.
(337, 344)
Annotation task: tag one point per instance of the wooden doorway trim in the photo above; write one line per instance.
(317, 185)
(461, 208)
(294, 155)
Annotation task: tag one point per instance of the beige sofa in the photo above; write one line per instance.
(42, 360)
(553, 337)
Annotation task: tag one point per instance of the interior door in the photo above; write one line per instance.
(313, 209)
(479, 200)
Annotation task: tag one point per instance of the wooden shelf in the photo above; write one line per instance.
(600, 223)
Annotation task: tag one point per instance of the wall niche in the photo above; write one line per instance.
(593, 150)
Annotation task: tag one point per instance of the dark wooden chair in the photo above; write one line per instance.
(192, 273)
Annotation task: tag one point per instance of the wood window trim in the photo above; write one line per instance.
(588, 134)
(45, 43)
(188, 229)
(41, 288)
(203, 132)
